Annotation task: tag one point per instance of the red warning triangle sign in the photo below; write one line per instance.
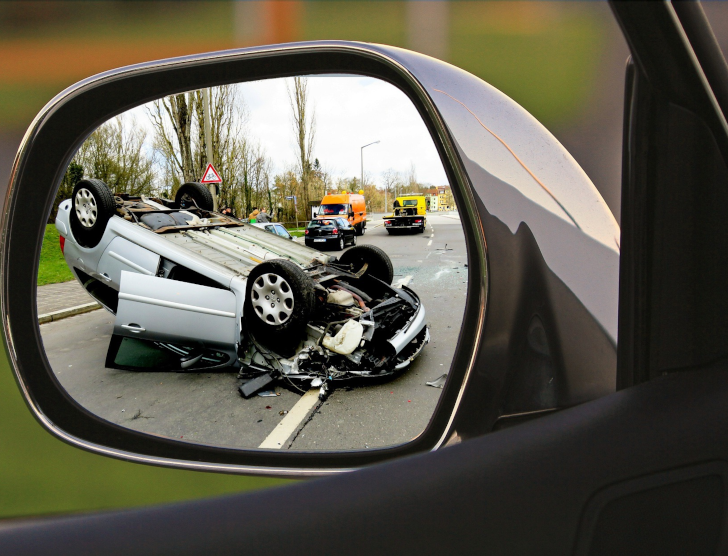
(211, 175)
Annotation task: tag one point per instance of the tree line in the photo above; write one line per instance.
(121, 153)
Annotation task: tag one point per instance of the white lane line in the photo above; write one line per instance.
(429, 243)
(289, 424)
(403, 281)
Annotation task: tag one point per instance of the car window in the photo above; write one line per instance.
(281, 231)
(328, 210)
(322, 224)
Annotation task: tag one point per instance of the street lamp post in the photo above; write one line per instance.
(362, 160)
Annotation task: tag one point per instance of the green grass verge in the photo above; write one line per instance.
(53, 267)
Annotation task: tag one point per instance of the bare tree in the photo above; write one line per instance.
(392, 185)
(175, 147)
(180, 138)
(253, 183)
(115, 154)
(304, 129)
(410, 180)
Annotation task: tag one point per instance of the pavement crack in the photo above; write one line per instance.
(138, 415)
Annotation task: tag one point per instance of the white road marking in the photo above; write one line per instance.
(429, 243)
(290, 423)
(403, 281)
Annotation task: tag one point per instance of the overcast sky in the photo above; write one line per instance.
(350, 111)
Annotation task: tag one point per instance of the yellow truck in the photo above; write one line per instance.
(410, 214)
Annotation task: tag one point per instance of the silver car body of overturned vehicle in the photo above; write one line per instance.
(180, 279)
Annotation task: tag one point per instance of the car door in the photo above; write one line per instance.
(162, 310)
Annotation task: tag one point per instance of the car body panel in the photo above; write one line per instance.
(152, 308)
(123, 255)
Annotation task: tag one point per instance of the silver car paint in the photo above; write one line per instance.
(154, 308)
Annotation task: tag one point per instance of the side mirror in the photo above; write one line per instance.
(534, 277)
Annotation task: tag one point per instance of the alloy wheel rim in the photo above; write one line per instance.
(272, 299)
(86, 209)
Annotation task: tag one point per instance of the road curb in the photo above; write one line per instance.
(65, 313)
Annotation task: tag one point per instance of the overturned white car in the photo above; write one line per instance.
(196, 290)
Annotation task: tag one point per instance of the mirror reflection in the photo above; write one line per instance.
(276, 264)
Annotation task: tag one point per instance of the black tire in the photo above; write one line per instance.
(353, 240)
(422, 229)
(342, 243)
(282, 331)
(192, 193)
(379, 263)
(92, 204)
(390, 232)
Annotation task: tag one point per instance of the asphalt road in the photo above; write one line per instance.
(206, 407)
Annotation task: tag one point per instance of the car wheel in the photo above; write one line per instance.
(353, 239)
(279, 301)
(378, 262)
(92, 204)
(342, 243)
(193, 193)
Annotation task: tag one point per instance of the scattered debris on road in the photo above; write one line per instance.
(439, 382)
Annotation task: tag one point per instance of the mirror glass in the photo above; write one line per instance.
(276, 264)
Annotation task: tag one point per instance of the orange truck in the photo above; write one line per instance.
(351, 206)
